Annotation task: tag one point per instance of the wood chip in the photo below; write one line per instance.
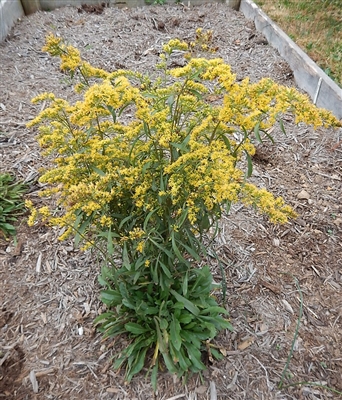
(303, 195)
(270, 286)
(39, 263)
(201, 389)
(287, 306)
(246, 343)
(44, 372)
(34, 381)
(213, 391)
(112, 390)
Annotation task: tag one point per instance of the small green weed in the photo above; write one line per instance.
(11, 203)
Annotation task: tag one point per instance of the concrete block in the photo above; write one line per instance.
(10, 12)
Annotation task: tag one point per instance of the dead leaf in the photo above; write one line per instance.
(303, 195)
(270, 286)
(112, 390)
(201, 389)
(287, 306)
(246, 343)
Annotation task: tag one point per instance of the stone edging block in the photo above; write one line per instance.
(323, 91)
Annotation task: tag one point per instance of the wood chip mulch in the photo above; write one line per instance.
(49, 293)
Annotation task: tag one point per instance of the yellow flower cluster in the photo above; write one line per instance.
(175, 44)
(131, 150)
(203, 43)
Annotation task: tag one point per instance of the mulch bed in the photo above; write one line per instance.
(49, 293)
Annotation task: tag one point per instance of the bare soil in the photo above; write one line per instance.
(49, 293)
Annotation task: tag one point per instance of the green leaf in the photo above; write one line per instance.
(170, 101)
(112, 111)
(125, 259)
(151, 310)
(161, 342)
(139, 361)
(161, 247)
(7, 227)
(135, 328)
(282, 127)
(269, 136)
(256, 132)
(128, 304)
(191, 251)
(154, 376)
(185, 284)
(176, 250)
(122, 109)
(80, 229)
(97, 170)
(113, 329)
(225, 324)
(101, 281)
(187, 303)
(208, 328)
(195, 358)
(163, 323)
(183, 360)
(204, 278)
(165, 269)
(214, 310)
(181, 146)
(110, 247)
(169, 364)
(111, 297)
(189, 336)
(149, 215)
(204, 223)
(216, 354)
(103, 317)
(124, 220)
(119, 362)
(174, 334)
(185, 318)
(195, 93)
(146, 167)
(226, 142)
(182, 218)
(249, 164)
(178, 306)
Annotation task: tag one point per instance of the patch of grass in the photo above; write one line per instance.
(11, 203)
(315, 25)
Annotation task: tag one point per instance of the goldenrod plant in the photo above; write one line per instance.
(146, 165)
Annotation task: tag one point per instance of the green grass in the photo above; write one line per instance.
(316, 27)
(11, 203)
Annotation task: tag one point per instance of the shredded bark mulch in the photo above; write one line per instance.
(49, 293)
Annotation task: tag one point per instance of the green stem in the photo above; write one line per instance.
(104, 254)
(214, 132)
(313, 384)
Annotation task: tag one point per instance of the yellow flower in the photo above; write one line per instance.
(52, 45)
(140, 247)
(105, 221)
(136, 233)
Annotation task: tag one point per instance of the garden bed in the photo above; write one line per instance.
(49, 291)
